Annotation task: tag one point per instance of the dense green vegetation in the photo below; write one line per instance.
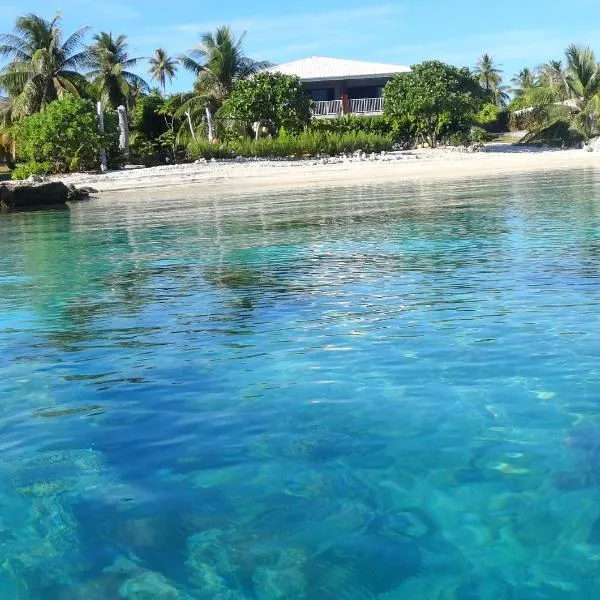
(52, 83)
(64, 137)
(435, 101)
(560, 102)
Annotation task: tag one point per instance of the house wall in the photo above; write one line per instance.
(354, 88)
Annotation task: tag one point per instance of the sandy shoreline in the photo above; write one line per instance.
(422, 165)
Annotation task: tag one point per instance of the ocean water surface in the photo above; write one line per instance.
(385, 392)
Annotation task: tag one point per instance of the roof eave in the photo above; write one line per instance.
(345, 77)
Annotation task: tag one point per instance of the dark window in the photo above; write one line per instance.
(324, 95)
(365, 91)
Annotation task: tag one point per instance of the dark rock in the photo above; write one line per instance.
(27, 195)
(16, 195)
(76, 194)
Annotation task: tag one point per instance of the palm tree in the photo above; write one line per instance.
(108, 60)
(523, 82)
(553, 75)
(42, 66)
(217, 62)
(162, 67)
(489, 76)
(578, 106)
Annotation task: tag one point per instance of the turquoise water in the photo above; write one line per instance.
(383, 392)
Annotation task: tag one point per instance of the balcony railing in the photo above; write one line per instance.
(361, 106)
(366, 106)
(328, 108)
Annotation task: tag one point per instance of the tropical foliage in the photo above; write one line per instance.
(434, 100)
(162, 67)
(42, 65)
(108, 61)
(271, 99)
(565, 103)
(63, 137)
(489, 75)
(218, 63)
(50, 83)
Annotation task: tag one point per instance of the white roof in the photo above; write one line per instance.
(318, 68)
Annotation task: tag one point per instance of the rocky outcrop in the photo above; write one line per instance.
(39, 194)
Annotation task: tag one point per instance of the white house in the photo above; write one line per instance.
(342, 86)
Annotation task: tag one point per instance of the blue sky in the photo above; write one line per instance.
(517, 33)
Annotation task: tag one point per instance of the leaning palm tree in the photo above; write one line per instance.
(162, 67)
(217, 62)
(43, 67)
(576, 109)
(108, 60)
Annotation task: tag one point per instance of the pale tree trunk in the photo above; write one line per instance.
(103, 165)
(189, 120)
(123, 131)
(209, 120)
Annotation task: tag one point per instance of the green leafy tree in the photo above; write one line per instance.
(64, 136)
(42, 65)
(162, 67)
(436, 99)
(272, 98)
(108, 62)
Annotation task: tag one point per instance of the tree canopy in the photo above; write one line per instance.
(108, 60)
(272, 98)
(435, 99)
(42, 65)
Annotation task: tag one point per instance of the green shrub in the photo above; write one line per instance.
(65, 135)
(492, 119)
(353, 124)
(309, 143)
(479, 135)
(31, 168)
(476, 135)
(204, 149)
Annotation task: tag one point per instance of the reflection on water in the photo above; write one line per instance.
(383, 392)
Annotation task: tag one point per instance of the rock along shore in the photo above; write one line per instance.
(20, 195)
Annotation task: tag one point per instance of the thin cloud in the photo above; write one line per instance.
(298, 22)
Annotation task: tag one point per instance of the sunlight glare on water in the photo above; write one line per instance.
(381, 392)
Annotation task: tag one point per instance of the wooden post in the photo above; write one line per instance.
(345, 104)
(123, 131)
(103, 165)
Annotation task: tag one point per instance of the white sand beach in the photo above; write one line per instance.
(245, 175)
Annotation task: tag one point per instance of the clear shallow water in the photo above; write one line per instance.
(384, 392)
